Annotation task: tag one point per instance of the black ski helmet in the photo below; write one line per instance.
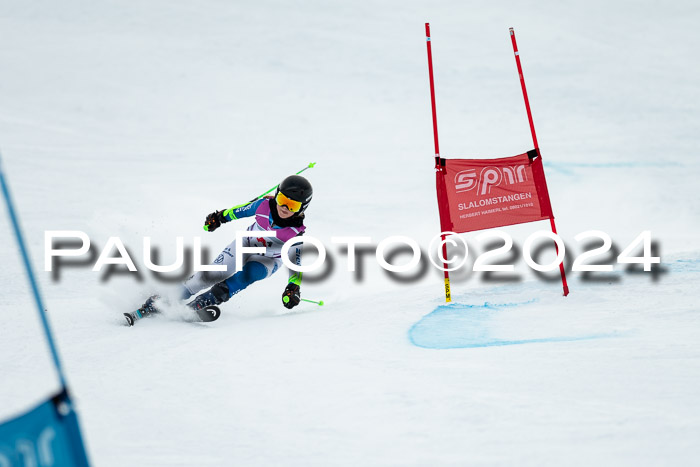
(297, 188)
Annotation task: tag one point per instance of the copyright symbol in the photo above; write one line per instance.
(448, 239)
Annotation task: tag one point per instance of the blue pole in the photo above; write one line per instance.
(30, 273)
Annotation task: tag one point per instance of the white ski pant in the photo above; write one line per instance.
(204, 279)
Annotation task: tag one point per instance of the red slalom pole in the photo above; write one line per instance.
(432, 94)
(537, 147)
(438, 166)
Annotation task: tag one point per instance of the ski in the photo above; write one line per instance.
(129, 319)
(209, 313)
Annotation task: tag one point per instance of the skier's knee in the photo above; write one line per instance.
(254, 271)
(251, 272)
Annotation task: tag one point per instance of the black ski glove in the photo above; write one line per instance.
(214, 221)
(291, 296)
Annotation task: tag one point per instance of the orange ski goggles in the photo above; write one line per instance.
(294, 206)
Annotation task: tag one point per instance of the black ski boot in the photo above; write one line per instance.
(205, 305)
(148, 308)
(204, 300)
(215, 296)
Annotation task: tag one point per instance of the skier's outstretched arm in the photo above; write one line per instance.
(216, 218)
(292, 293)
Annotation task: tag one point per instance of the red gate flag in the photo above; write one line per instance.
(477, 194)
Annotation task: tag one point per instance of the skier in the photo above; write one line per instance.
(282, 214)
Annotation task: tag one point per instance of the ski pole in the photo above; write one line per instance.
(319, 303)
(310, 166)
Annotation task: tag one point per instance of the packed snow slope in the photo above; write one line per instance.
(137, 120)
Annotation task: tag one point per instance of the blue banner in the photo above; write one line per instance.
(48, 435)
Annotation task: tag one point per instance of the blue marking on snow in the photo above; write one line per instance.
(685, 265)
(569, 168)
(612, 165)
(463, 326)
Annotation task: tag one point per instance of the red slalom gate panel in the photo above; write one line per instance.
(487, 193)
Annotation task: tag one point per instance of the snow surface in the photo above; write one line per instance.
(137, 119)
